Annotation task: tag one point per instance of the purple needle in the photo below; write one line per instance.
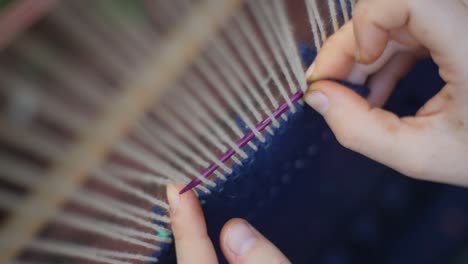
(243, 141)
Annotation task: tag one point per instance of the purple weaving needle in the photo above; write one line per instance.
(243, 141)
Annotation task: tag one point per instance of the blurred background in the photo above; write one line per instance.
(318, 202)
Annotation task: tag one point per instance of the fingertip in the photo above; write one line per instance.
(317, 100)
(370, 38)
(336, 57)
(242, 243)
(335, 92)
(310, 73)
(173, 197)
(373, 132)
(371, 42)
(189, 228)
(227, 225)
(176, 200)
(346, 113)
(224, 234)
(184, 208)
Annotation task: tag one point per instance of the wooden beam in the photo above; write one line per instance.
(176, 52)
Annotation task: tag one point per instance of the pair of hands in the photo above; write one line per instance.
(240, 242)
(378, 46)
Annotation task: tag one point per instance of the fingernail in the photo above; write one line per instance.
(318, 101)
(240, 238)
(310, 71)
(173, 198)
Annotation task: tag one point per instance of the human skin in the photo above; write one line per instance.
(240, 242)
(378, 46)
(433, 144)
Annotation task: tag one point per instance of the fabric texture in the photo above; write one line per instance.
(321, 203)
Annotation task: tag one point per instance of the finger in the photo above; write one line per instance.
(382, 83)
(336, 57)
(371, 36)
(373, 132)
(361, 72)
(188, 224)
(241, 243)
(436, 24)
(438, 103)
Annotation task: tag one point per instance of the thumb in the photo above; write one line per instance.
(241, 243)
(373, 132)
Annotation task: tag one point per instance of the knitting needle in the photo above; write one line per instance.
(283, 108)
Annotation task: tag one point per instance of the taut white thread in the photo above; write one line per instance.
(230, 60)
(230, 84)
(137, 153)
(333, 14)
(130, 33)
(22, 173)
(74, 251)
(87, 87)
(106, 201)
(202, 94)
(201, 120)
(91, 250)
(259, 16)
(124, 187)
(87, 198)
(62, 114)
(319, 19)
(289, 51)
(66, 19)
(344, 9)
(144, 157)
(133, 174)
(195, 107)
(100, 228)
(254, 41)
(215, 80)
(182, 129)
(39, 141)
(151, 161)
(313, 24)
(53, 108)
(147, 137)
(223, 54)
(9, 200)
(247, 55)
(91, 223)
(295, 61)
(105, 26)
(167, 138)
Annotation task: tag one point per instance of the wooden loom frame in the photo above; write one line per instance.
(92, 147)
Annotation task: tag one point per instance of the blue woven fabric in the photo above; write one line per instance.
(320, 203)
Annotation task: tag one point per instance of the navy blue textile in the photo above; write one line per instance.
(321, 203)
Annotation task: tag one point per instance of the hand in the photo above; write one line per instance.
(379, 46)
(241, 243)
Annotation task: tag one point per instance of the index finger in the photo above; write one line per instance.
(436, 25)
(336, 57)
(188, 225)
